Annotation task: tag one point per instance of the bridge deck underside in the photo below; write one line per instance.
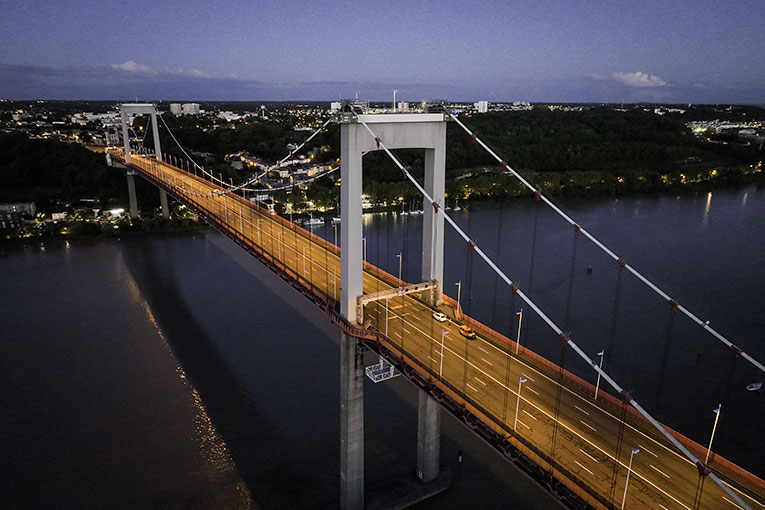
(482, 375)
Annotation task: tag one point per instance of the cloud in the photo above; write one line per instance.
(131, 66)
(639, 79)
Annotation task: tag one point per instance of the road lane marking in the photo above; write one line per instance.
(582, 466)
(532, 391)
(585, 412)
(649, 452)
(529, 378)
(528, 413)
(588, 426)
(590, 456)
(488, 362)
(480, 381)
(659, 470)
(563, 423)
(468, 385)
(484, 350)
(519, 421)
(732, 503)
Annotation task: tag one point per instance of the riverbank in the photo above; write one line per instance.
(37, 230)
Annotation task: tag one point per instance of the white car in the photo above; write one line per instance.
(440, 317)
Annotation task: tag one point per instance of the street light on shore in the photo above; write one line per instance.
(629, 470)
(521, 380)
(714, 427)
(400, 260)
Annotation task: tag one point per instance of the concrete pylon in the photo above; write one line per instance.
(141, 109)
(397, 131)
(163, 201)
(131, 194)
(428, 438)
(351, 424)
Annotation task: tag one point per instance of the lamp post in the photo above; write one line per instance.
(364, 251)
(334, 228)
(386, 315)
(459, 290)
(521, 380)
(714, 427)
(518, 336)
(597, 386)
(400, 260)
(441, 364)
(629, 470)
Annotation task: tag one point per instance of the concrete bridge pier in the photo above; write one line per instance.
(131, 194)
(163, 200)
(351, 423)
(428, 438)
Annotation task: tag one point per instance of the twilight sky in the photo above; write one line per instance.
(567, 51)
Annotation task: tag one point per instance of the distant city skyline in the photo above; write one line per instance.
(595, 51)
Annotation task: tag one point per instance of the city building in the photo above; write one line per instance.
(175, 108)
(481, 106)
(190, 109)
(19, 208)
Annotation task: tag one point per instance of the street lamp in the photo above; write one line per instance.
(387, 300)
(400, 260)
(459, 290)
(334, 228)
(364, 251)
(629, 470)
(597, 386)
(441, 365)
(518, 336)
(521, 380)
(714, 427)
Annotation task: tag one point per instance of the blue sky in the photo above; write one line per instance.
(574, 51)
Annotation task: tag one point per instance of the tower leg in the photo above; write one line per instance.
(428, 438)
(433, 223)
(163, 200)
(351, 424)
(131, 195)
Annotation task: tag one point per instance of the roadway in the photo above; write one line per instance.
(484, 373)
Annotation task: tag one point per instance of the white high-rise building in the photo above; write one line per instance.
(175, 108)
(334, 106)
(481, 106)
(403, 107)
(190, 108)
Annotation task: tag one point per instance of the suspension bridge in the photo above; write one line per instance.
(591, 445)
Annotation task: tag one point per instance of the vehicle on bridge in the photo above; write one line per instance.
(467, 332)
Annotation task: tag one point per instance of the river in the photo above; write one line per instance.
(176, 371)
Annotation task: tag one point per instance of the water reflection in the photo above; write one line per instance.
(707, 206)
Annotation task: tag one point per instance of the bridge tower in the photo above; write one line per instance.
(141, 108)
(397, 131)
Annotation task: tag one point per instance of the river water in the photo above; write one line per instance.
(176, 371)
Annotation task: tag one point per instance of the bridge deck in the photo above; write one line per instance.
(482, 375)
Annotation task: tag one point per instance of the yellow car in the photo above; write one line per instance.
(467, 332)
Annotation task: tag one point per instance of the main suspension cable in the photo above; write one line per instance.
(244, 186)
(565, 337)
(596, 242)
